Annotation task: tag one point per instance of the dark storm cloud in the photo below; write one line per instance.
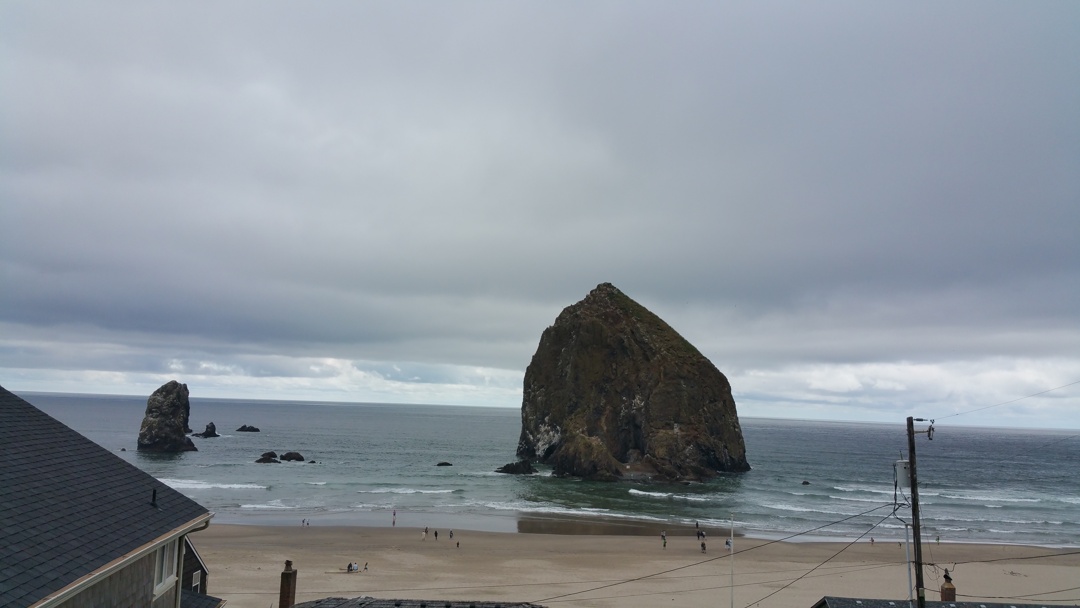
(402, 184)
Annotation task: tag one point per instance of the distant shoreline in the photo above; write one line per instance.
(524, 523)
(569, 525)
(587, 570)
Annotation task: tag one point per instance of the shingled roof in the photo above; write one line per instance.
(850, 602)
(371, 602)
(68, 506)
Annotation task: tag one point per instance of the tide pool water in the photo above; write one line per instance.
(372, 460)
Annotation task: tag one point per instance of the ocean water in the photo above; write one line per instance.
(374, 460)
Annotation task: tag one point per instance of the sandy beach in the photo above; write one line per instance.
(593, 564)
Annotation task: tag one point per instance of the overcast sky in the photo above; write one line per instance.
(856, 210)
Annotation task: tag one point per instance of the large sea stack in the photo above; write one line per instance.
(165, 425)
(613, 391)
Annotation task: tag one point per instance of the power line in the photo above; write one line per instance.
(1008, 402)
(847, 570)
(841, 571)
(1054, 442)
(1011, 559)
(712, 559)
(810, 571)
(1029, 596)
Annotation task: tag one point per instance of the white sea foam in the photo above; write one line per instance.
(850, 499)
(530, 507)
(866, 489)
(273, 504)
(984, 498)
(794, 509)
(669, 495)
(195, 484)
(997, 520)
(694, 498)
(315, 483)
(404, 491)
(650, 494)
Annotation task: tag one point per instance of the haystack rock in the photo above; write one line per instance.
(165, 425)
(614, 392)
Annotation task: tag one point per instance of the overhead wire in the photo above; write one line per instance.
(1028, 596)
(712, 559)
(979, 409)
(1011, 559)
(847, 570)
(810, 571)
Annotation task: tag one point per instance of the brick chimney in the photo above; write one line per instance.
(948, 590)
(287, 597)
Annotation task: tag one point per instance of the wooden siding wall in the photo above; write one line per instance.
(167, 599)
(191, 565)
(132, 586)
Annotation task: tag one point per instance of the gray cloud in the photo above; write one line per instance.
(236, 191)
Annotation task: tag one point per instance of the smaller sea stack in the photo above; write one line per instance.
(165, 425)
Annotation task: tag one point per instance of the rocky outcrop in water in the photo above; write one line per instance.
(268, 458)
(614, 392)
(211, 431)
(292, 457)
(247, 429)
(521, 467)
(165, 425)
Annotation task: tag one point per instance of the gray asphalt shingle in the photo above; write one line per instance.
(69, 506)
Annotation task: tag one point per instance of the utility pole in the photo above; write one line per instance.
(919, 589)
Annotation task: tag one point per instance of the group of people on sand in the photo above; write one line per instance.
(423, 535)
(355, 567)
(700, 537)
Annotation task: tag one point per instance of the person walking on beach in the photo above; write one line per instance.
(702, 546)
(663, 537)
(451, 534)
(436, 535)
